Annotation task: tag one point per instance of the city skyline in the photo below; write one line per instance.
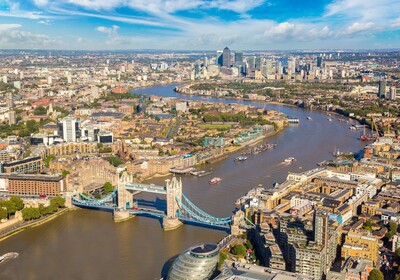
(198, 25)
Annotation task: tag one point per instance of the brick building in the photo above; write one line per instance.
(33, 184)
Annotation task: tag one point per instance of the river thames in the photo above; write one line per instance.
(87, 244)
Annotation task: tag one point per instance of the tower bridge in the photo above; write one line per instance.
(179, 209)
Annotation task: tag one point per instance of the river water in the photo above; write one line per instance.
(86, 244)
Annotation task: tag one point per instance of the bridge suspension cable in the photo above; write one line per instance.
(201, 218)
(201, 212)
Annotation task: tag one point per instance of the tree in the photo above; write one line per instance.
(57, 201)
(108, 188)
(11, 208)
(42, 209)
(26, 214)
(375, 274)
(222, 257)
(239, 250)
(3, 213)
(48, 159)
(116, 161)
(19, 203)
(65, 173)
(40, 110)
(392, 229)
(367, 225)
(248, 245)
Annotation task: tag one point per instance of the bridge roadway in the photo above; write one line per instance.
(151, 188)
(147, 211)
(107, 206)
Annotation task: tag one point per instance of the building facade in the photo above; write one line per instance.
(34, 184)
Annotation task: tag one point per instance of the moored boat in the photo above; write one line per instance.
(241, 158)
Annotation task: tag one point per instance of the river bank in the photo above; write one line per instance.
(25, 225)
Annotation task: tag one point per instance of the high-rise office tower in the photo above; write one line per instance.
(382, 89)
(238, 58)
(219, 58)
(251, 61)
(226, 57)
(279, 68)
(291, 66)
(319, 61)
(258, 62)
(205, 63)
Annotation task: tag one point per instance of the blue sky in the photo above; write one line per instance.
(199, 24)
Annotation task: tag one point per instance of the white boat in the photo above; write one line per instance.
(308, 118)
(241, 158)
(8, 256)
(214, 180)
(329, 119)
(289, 160)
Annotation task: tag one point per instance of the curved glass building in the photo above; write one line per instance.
(198, 262)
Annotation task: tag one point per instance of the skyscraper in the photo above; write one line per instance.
(238, 58)
(382, 89)
(226, 57)
(291, 66)
(279, 68)
(251, 61)
(257, 62)
(319, 61)
(219, 58)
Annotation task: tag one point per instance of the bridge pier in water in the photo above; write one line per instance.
(121, 213)
(174, 192)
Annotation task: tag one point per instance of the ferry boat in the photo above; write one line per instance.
(214, 180)
(289, 160)
(293, 119)
(240, 158)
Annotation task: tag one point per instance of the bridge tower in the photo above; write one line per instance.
(121, 213)
(174, 192)
(124, 196)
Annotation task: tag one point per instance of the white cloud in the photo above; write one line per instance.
(110, 31)
(9, 26)
(363, 10)
(358, 27)
(160, 7)
(239, 6)
(45, 22)
(12, 9)
(395, 23)
(41, 2)
(11, 36)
